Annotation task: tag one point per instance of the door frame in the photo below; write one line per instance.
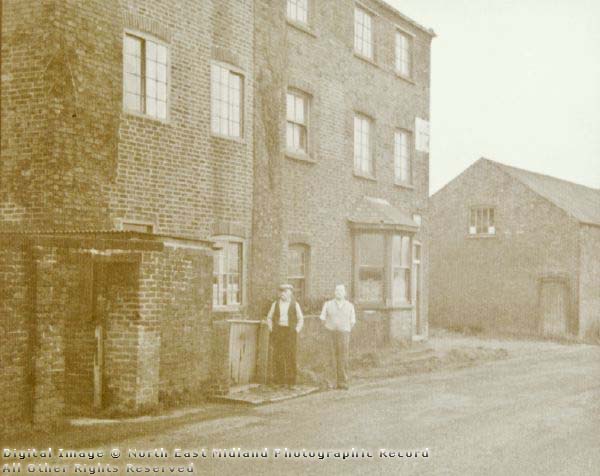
(560, 278)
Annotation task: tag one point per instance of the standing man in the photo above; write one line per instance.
(339, 317)
(285, 320)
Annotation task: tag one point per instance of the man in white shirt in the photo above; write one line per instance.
(339, 317)
(285, 321)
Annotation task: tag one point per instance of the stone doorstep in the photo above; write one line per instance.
(263, 394)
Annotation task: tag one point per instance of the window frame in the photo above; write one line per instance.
(371, 151)
(475, 209)
(297, 93)
(410, 158)
(409, 38)
(232, 70)
(387, 300)
(304, 23)
(305, 248)
(241, 242)
(145, 37)
(371, 16)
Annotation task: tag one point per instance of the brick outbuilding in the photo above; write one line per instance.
(515, 251)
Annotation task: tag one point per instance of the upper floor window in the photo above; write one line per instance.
(363, 33)
(145, 76)
(481, 221)
(297, 122)
(363, 156)
(403, 54)
(297, 10)
(226, 101)
(298, 270)
(227, 274)
(402, 158)
(422, 135)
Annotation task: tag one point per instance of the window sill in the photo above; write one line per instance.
(364, 176)
(227, 309)
(408, 79)
(239, 140)
(366, 59)
(406, 185)
(304, 28)
(300, 157)
(141, 115)
(483, 235)
(373, 306)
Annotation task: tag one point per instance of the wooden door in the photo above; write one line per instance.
(554, 303)
(243, 343)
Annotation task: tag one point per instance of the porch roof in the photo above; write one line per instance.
(377, 212)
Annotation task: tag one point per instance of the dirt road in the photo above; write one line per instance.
(537, 413)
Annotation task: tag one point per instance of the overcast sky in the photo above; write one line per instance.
(517, 81)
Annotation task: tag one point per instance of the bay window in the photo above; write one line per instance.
(383, 268)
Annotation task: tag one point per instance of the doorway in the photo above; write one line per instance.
(554, 307)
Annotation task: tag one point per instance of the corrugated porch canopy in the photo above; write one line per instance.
(377, 213)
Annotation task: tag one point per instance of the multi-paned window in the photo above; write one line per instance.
(363, 154)
(383, 268)
(297, 122)
(297, 10)
(363, 33)
(481, 221)
(403, 54)
(371, 267)
(145, 76)
(226, 101)
(227, 274)
(402, 157)
(400, 269)
(298, 270)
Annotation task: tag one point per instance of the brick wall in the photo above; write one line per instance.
(14, 323)
(73, 159)
(310, 200)
(493, 283)
(589, 283)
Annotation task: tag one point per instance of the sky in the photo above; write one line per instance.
(516, 81)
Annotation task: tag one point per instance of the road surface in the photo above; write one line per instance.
(538, 413)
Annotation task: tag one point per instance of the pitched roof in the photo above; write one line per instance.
(377, 211)
(581, 202)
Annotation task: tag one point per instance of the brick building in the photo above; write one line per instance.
(164, 164)
(116, 183)
(515, 251)
(342, 162)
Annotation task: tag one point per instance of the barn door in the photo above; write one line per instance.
(554, 303)
(243, 342)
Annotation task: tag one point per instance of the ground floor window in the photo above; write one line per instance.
(227, 274)
(383, 268)
(298, 270)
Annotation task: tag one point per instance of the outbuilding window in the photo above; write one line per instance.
(481, 221)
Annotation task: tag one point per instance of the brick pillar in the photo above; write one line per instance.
(220, 358)
(48, 365)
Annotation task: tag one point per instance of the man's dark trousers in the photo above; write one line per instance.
(284, 354)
